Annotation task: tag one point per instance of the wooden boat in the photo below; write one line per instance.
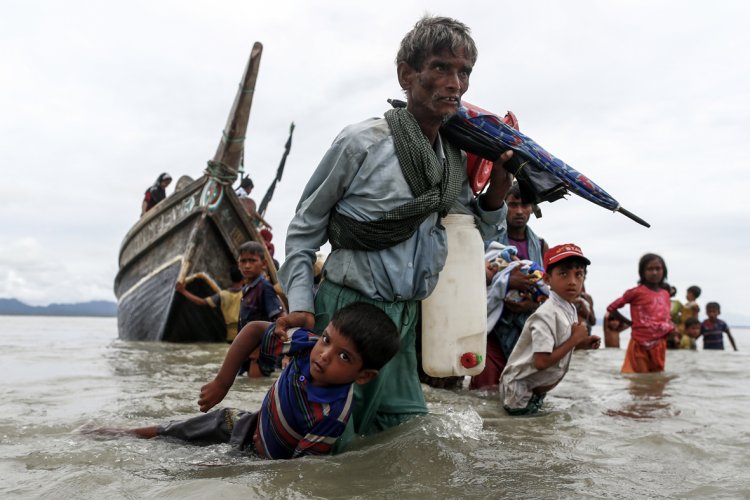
(192, 235)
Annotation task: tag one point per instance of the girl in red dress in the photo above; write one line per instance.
(650, 314)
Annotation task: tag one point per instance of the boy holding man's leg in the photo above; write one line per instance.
(308, 407)
(542, 355)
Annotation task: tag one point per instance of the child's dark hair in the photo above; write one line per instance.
(713, 304)
(691, 321)
(252, 247)
(371, 330)
(695, 290)
(234, 274)
(567, 264)
(642, 269)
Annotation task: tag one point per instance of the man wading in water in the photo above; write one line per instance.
(377, 196)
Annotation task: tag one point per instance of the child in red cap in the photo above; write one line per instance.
(542, 355)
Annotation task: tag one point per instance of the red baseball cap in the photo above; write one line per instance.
(560, 252)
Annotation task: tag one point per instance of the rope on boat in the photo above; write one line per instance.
(223, 173)
(232, 140)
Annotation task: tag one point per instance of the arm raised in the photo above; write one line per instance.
(180, 287)
(245, 343)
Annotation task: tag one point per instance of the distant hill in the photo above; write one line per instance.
(93, 308)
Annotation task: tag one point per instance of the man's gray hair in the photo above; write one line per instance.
(433, 35)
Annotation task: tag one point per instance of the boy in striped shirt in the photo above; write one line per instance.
(307, 408)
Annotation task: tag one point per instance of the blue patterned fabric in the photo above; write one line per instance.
(488, 129)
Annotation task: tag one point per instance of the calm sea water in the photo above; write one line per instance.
(681, 434)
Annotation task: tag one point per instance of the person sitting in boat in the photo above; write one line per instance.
(307, 408)
(246, 186)
(228, 301)
(259, 300)
(156, 193)
(243, 192)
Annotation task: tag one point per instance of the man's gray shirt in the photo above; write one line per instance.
(360, 177)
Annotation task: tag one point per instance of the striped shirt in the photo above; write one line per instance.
(713, 333)
(298, 418)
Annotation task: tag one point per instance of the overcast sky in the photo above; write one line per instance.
(649, 99)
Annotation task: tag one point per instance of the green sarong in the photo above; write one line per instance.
(395, 395)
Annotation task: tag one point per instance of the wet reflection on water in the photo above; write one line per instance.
(649, 399)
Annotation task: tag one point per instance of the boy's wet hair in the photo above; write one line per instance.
(434, 35)
(714, 305)
(695, 290)
(691, 321)
(252, 247)
(567, 264)
(371, 330)
(642, 269)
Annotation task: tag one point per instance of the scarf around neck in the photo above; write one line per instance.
(435, 188)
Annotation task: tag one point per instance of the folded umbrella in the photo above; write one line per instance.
(535, 185)
(546, 178)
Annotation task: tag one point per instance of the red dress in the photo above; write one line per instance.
(650, 313)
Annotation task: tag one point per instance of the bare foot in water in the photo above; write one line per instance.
(140, 432)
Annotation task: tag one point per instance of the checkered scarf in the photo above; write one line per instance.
(435, 188)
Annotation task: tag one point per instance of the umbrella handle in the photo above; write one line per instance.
(632, 216)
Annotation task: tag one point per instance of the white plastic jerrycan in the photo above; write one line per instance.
(454, 316)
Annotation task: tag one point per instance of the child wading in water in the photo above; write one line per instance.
(692, 332)
(307, 408)
(541, 357)
(650, 314)
(713, 329)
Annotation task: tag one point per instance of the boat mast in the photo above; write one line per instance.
(226, 162)
(231, 147)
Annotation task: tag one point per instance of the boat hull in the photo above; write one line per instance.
(193, 236)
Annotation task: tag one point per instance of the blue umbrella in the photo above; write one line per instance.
(480, 132)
